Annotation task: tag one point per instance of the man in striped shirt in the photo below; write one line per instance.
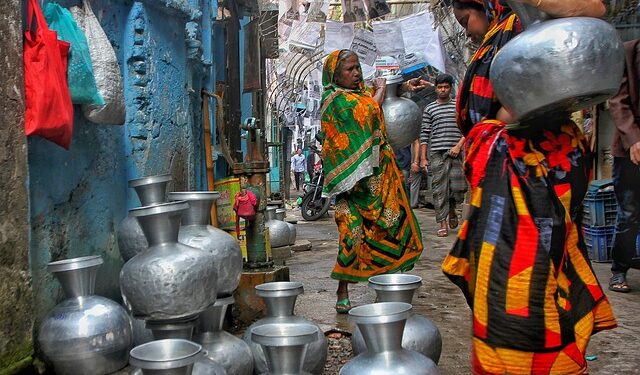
(440, 148)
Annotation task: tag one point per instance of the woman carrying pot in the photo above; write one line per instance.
(378, 230)
(520, 258)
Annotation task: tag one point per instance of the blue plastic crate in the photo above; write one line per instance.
(599, 209)
(599, 241)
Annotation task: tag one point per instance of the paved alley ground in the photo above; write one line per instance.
(616, 351)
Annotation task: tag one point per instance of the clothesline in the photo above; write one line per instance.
(390, 2)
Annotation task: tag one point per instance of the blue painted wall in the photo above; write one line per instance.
(79, 196)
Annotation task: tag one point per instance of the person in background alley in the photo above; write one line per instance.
(378, 231)
(441, 149)
(520, 258)
(299, 167)
(408, 160)
(624, 108)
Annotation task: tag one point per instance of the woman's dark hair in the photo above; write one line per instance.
(444, 78)
(467, 4)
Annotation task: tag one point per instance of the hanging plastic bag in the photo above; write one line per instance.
(49, 111)
(82, 85)
(105, 68)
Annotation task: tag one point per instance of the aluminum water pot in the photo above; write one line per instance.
(420, 334)
(556, 65)
(222, 347)
(285, 346)
(168, 280)
(85, 334)
(195, 231)
(166, 357)
(382, 325)
(402, 117)
(293, 233)
(278, 230)
(183, 329)
(280, 298)
(150, 190)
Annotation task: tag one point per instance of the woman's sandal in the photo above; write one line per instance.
(443, 232)
(618, 283)
(453, 221)
(343, 306)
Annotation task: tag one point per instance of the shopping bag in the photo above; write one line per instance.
(48, 107)
(106, 69)
(82, 85)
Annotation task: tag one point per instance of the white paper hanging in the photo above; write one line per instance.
(419, 36)
(337, 35)
(389, 38)
(364, 46)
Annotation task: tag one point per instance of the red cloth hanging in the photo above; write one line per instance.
(49, 111)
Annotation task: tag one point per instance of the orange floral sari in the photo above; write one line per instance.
(378, 231)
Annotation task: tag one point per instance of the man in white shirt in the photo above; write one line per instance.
(299, 167)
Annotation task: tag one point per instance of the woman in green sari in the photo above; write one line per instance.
(378, 230)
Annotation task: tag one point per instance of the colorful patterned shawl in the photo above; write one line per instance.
(476, 100)
(353, 124)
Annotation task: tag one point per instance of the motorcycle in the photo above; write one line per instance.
(313, 205)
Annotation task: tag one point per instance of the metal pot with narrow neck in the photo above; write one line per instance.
(285, 346)
(402, 117)
(280, 298)
(84, 334)
(382, 325)
(420, 334)
(556, 66)
(278, 230)
(150, 190)
(293, 232)
(222, 347)
(168, 280)
(195, 231)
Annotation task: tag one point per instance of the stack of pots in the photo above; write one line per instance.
(280, 299)
(382, 325)
(420, 334)
(85, 333)
(168, 280)
(180, 274)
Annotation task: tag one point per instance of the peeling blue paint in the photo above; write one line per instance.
(79, 196)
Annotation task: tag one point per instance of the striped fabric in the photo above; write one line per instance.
(476, 101)
(439, 128)
(520, 258)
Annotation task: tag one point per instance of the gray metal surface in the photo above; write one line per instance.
(280, 298)
(420, 334)
(84, 334)
(382, 326)
(285, 345)
(169, 280)
(195, 231)
(177, 355)
(402, 117)
(222, 347)
(150, 190)
(557, 66)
